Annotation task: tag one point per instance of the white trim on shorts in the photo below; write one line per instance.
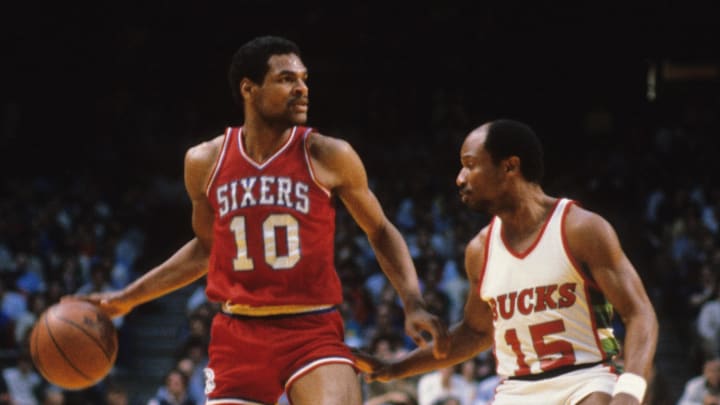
(312, 365)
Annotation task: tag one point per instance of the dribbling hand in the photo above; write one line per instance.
(109, 302)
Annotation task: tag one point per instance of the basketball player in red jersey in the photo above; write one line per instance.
(545, 275)
(263, 216)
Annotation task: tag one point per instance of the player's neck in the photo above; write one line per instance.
(529, 212)
(262, 141)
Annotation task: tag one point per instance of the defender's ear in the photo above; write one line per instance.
(511, 164)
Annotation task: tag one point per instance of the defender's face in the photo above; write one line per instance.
(283, 95)
(479, 179)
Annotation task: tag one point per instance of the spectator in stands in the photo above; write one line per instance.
(385, 322)
(468, 371)
(116, 394)
(485, 373)
(99, 279)
(396, 392)
(173, 391)
(22, 381)
(708, 327)
(704, 290)
(12, 303)
(53, 395)
(703, 389)
(441, 385)
(37, 305)
(438, 302)
(192, 362)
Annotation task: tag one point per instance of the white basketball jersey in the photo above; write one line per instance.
(547, 311)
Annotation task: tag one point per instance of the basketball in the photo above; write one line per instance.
(73, 344)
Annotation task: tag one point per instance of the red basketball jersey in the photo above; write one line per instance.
(274, 228)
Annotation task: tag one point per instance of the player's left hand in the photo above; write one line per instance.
(418, 321)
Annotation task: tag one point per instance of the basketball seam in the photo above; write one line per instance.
(62, 353)
(93, 338)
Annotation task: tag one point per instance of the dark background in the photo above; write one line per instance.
(95, 87)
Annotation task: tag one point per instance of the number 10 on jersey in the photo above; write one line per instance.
(243, 262)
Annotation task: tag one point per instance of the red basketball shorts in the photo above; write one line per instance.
(253, 360)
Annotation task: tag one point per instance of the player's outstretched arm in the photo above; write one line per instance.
(188, 263)
(339, 168)
(472, 335)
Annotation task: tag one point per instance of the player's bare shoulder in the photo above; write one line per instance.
(328, 149)
(204, 153)
(199, 162)
(333, 159)
(580, 223)
(587, 233)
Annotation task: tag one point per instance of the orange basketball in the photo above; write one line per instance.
(74, 344)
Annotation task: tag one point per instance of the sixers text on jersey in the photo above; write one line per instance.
(263, 190)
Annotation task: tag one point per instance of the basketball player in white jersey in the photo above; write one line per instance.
(545, 275)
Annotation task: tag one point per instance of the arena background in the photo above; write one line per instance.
(99, 103)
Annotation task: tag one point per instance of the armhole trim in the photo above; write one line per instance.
(486, 248)
(219, 160)
(310, 167)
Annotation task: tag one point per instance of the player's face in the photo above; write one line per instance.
(283, 95)
(480, 180)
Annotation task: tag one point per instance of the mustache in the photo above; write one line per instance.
(303, 99)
